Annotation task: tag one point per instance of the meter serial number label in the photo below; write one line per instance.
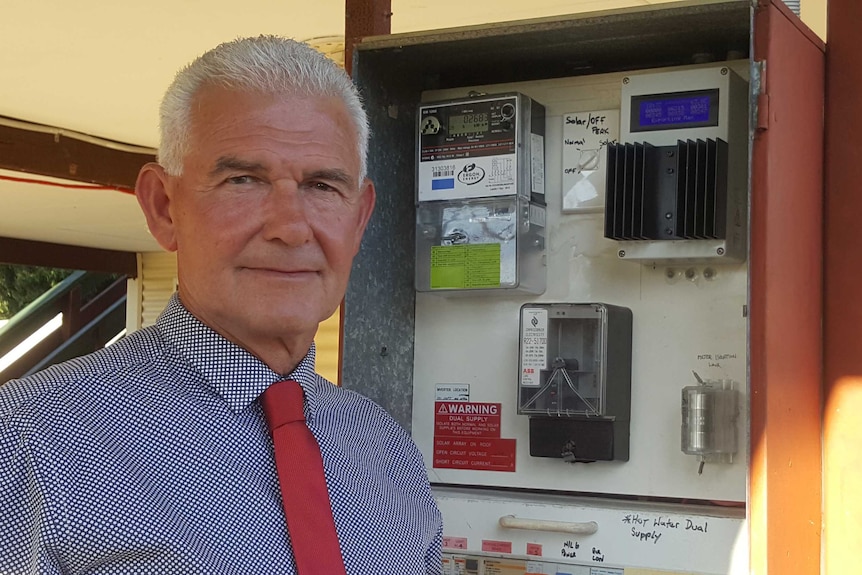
(534, 345)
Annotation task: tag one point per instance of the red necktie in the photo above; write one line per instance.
(303, 485)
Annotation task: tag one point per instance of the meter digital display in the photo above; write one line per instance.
(468, 148)
(468, 124)
(675, 110)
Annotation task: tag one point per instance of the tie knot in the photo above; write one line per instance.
(282, 403)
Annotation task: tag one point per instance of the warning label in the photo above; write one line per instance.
(467, 419)
(478, 454)
(490, 546)
(467, 436)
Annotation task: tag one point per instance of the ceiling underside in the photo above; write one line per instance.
(100, 68)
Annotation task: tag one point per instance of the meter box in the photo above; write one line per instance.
(677, 180)
(575, 380)
(480, 210)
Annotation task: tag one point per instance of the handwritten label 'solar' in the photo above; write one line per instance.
(586, 136)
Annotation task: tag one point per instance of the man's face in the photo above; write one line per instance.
(267, 214)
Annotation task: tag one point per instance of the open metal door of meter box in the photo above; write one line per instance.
(457, 371)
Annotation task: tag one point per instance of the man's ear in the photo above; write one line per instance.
(151, 190)
(367, 198)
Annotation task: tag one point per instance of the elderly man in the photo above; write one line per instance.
(206, 443)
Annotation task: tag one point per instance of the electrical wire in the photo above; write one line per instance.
(102, 142)
(56, 132)
(67, 186)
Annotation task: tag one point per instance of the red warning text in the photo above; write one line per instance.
(492, 454)
(466, 419)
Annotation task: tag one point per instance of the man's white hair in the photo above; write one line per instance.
(265, 64)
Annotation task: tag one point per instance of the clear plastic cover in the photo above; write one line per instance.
(562, 354)
(479, 244)
(709, 414)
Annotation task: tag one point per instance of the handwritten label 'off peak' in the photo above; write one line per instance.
(596, 124)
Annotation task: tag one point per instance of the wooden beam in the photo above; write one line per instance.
(54, 152)
(786, 297)
(364, 18)
(30, 253)
(842, 342)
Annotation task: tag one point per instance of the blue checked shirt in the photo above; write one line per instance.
(153, 456)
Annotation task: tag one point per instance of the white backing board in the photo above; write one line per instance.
(680, 324)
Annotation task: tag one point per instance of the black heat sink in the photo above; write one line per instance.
(667, 192)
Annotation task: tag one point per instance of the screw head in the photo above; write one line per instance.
(668, 215)
(621, 253)
(626, 80)
(668, 231)
(670, 170)
(720, 251)
(724, 71)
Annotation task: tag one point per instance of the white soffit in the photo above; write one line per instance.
(91, 217)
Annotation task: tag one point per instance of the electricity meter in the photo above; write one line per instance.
(480, 210)
(709, 413)
(575, 380)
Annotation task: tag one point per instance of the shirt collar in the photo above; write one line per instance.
(232, 372)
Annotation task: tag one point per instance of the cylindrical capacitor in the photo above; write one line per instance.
(709, 414)
(697, 420)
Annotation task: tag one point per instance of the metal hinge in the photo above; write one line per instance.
(761, 96)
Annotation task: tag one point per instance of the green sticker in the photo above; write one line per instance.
(465, 266)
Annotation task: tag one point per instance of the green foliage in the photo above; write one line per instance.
(20, 285)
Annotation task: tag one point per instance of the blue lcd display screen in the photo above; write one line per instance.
(673, 111)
